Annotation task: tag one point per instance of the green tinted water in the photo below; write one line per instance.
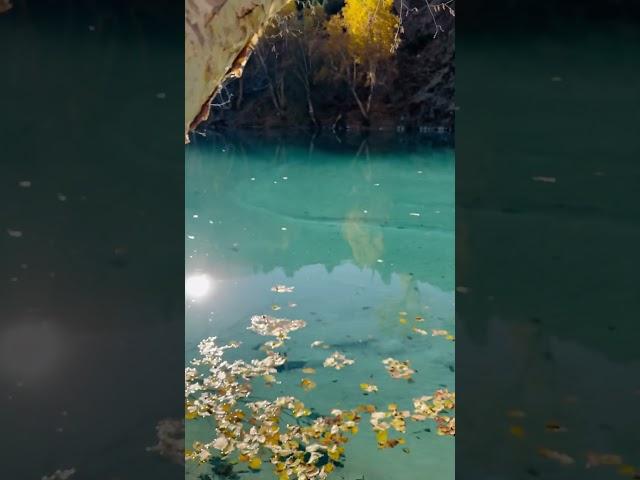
(361, 237)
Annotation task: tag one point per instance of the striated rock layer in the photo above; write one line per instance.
(219, 36)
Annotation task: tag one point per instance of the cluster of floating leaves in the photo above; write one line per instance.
(421, 331)
(398, 369)
(337, 360)
(255, 431)
(267, 325)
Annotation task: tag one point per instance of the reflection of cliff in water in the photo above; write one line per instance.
(276, 205)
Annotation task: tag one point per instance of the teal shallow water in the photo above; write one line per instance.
(361, 238)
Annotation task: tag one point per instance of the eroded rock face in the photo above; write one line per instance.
(219, 35)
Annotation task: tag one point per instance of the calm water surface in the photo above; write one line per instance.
(362, 233)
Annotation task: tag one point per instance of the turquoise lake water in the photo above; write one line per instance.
(362, 232)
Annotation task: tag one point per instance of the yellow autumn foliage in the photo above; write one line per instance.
(371, 28)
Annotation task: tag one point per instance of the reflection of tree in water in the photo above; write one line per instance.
(365, 240)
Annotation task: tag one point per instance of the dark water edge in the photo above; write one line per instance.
(383, 142)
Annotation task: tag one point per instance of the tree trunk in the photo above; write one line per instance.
(219, 37)
(363, 110)
(272, 89)
(372, 84)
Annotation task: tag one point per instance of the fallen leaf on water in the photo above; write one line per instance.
(554, 427)
(544, 179)
(307, 384)
(338, 361)
(517, 431)
(255, 463)
(276, 327)
(282, 289)
(275, 307)
(440, 333)
(516, 414)
(58, 474)
(269, 379)
(597, 459)
(419, 319)
(446, 425)
(366, 408)
(420, 331)
(292, 305)
(559, 457)
(309, 371)
(403, 320)
(398, 369)
(319, 344)
(368, 388)
(382, 437)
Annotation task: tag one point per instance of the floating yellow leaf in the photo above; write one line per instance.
(255, 463)
(309, 371)
(450, 337)
(517, 431)
(398, 424)
(368, 388)
(190, 411)
(403, 320)
(307, 384)
(420, 331)
(275, 307)
(367, 408)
